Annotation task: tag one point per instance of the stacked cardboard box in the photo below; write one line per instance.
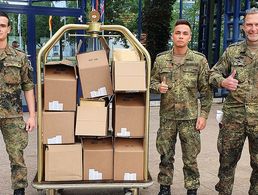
(63, 158)
(99, 156)
(129, 84)
(98, 159)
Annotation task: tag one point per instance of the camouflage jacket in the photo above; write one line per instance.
(15, 75)
(240, 105)
(186, 83)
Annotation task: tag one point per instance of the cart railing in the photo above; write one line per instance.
(94, 29)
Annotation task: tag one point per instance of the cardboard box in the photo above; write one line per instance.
(63, 162)
(58, 127)
(125, 55)
(129, 115)
(60, 86)
(94, 74)
(92, 118)
(128, 159)
(98, 159)
(129, 76)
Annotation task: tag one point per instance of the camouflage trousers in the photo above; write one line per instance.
(230, 145)
(190, 144)
(16, 139)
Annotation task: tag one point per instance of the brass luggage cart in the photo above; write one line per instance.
(130, 187)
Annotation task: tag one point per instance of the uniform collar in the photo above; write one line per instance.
(7, 51)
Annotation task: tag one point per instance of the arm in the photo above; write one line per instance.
(205, 95)
(156, 85)
(221, 74)
(31, 122)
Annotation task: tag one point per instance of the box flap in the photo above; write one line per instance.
(125, 55)
(92, 59)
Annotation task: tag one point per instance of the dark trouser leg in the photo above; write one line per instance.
(252, 132)
(165, 143)
(191, 147)
(16, 139)
(230, 145)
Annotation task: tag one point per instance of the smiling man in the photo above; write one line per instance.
(237, 71)
(15, 76)
(181, 76)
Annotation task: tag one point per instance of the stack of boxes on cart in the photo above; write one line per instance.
(100, 135)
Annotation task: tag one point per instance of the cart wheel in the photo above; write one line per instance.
(60, 191)
(131, 191)
(51, 192)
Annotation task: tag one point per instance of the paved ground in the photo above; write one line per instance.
(208, 164)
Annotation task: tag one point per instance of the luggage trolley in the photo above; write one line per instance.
(93, 28)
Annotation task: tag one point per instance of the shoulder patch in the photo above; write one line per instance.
(236, 44)
(20, 50)
(163, 53)
(198, 53)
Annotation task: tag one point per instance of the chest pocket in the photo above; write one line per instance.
(167, 74)
(190, 75)
(12, 73)
(241, 72)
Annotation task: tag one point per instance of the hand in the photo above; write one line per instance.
(163, 87)
(201, 123)
(30, 124)
(230, 83)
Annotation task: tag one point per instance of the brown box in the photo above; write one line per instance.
(63, 162)
(129, 76)
(94, 74)
(92, 118)
(58, 127)
(128, 159)
(125, 55)
(97, 159)
(129, 115)
(60, 86)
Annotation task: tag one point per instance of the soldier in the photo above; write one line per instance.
(15, 44)
(237, 71)
(15, 76)
(181, 76)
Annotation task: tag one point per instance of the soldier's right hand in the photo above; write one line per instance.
(163, 87)
(230, 82)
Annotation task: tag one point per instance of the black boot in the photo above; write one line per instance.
(192, 192)
(20, 191)
(164, 190)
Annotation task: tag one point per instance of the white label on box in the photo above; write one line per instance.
(130, 176)
(101, 92)
(55, 140)
(55, 105)
(123, 133)
(94, 175)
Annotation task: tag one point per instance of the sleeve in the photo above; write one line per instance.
(204, 89)
(155, 78)
(26, 74)
(219, 71)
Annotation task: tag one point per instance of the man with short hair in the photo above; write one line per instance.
(15, 44)
(237, 71)
(15, 76)
(181, 76)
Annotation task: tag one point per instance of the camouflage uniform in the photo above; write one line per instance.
(179, 111)
(15, 75)
(240, 119)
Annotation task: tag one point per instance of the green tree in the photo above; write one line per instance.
(122, 12)
(156, 24)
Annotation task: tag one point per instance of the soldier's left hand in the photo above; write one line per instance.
(30, 124)
(201, 123)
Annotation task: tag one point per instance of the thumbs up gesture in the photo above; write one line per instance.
(163, 87)
(230, 82)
